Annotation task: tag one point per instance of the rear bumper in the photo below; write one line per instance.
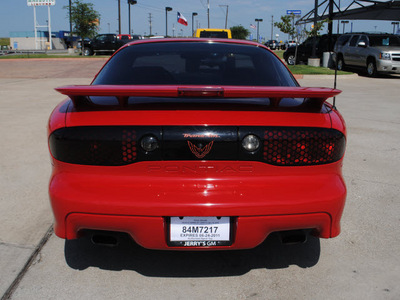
(152, 232)
(136, 198)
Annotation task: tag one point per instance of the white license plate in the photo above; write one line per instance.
(200, 231)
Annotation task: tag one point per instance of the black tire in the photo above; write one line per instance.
(87, 52)
(371, 68)
(290, 60)
(340, 63)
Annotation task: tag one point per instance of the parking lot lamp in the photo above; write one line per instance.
(344, 24)
(258, 28)
(130, 2)
(394, 26)
(167, 9)
(193, 15)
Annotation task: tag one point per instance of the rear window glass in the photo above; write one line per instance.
(384, 40)
(213, 34)
(195, 63)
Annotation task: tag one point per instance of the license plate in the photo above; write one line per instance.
(200, 231)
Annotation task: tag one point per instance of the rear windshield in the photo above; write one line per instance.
(384, 40)
(195, 63)
(214, 34)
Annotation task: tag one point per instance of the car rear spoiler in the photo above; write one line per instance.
(315, 97)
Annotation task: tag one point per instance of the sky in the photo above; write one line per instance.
(15, 15)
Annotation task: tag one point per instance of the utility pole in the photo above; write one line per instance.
(150, 23)
(208, 12)
(226, 17)
(272, 28)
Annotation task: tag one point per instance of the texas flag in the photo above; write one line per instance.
(182, 19)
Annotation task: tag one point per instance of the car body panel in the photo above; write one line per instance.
(140, 197)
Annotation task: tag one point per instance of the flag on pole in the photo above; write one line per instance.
(182, 19)
(253, 26)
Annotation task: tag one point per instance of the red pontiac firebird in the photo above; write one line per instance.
(196, 144)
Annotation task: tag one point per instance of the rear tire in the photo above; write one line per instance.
(371, 68)
(340, 63)
(87, 52)
(291, 60)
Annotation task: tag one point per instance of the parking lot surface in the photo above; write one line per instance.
(362, 263)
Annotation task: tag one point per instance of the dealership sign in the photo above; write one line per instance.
(41, 2)
(293, 11)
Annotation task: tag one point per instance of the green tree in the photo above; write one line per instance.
(286, 25)
(85, 19)
(239, 32)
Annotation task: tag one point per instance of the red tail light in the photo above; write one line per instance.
(302, 146)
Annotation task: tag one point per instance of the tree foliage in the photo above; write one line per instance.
(287, 24)
(85, 19)
(239, 32)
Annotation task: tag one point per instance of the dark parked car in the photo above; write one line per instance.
(304, 50)
(105, 43)
(272, 44)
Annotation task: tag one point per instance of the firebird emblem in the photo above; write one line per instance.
(200, 152)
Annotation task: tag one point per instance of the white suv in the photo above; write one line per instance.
(377, 53)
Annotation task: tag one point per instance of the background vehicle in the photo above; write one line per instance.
(375, 53)
(192, 144)
(213, 33)
(272, 44)
(304, 50)
(105, 43)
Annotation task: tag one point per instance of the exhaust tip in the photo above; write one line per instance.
(293, 237)
(104, 240)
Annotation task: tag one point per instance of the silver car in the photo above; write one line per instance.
(377, 53)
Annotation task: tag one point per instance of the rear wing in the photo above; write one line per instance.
(315, 97)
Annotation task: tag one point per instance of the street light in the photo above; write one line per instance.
(258, 27)
(193, 15)
(344, 24)
(130, 2)
(394, 26)
(167, 9)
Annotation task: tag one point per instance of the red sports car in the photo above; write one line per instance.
(196, 144)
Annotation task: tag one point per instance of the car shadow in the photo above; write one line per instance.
(362, 73)
(127, 255)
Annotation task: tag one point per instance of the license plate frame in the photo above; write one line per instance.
(204, 227)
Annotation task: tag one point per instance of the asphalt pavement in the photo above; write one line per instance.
(362, 263)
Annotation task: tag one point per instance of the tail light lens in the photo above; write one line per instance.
(302, 146)
(101, 146)
(124, 145)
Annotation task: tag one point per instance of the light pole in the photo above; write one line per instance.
(344, 24)
(394, 26)
(108, 27)
(167, 9)
(130, 2)
(70, 19)
(119, 16)
(193, 15)
(258, 28)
